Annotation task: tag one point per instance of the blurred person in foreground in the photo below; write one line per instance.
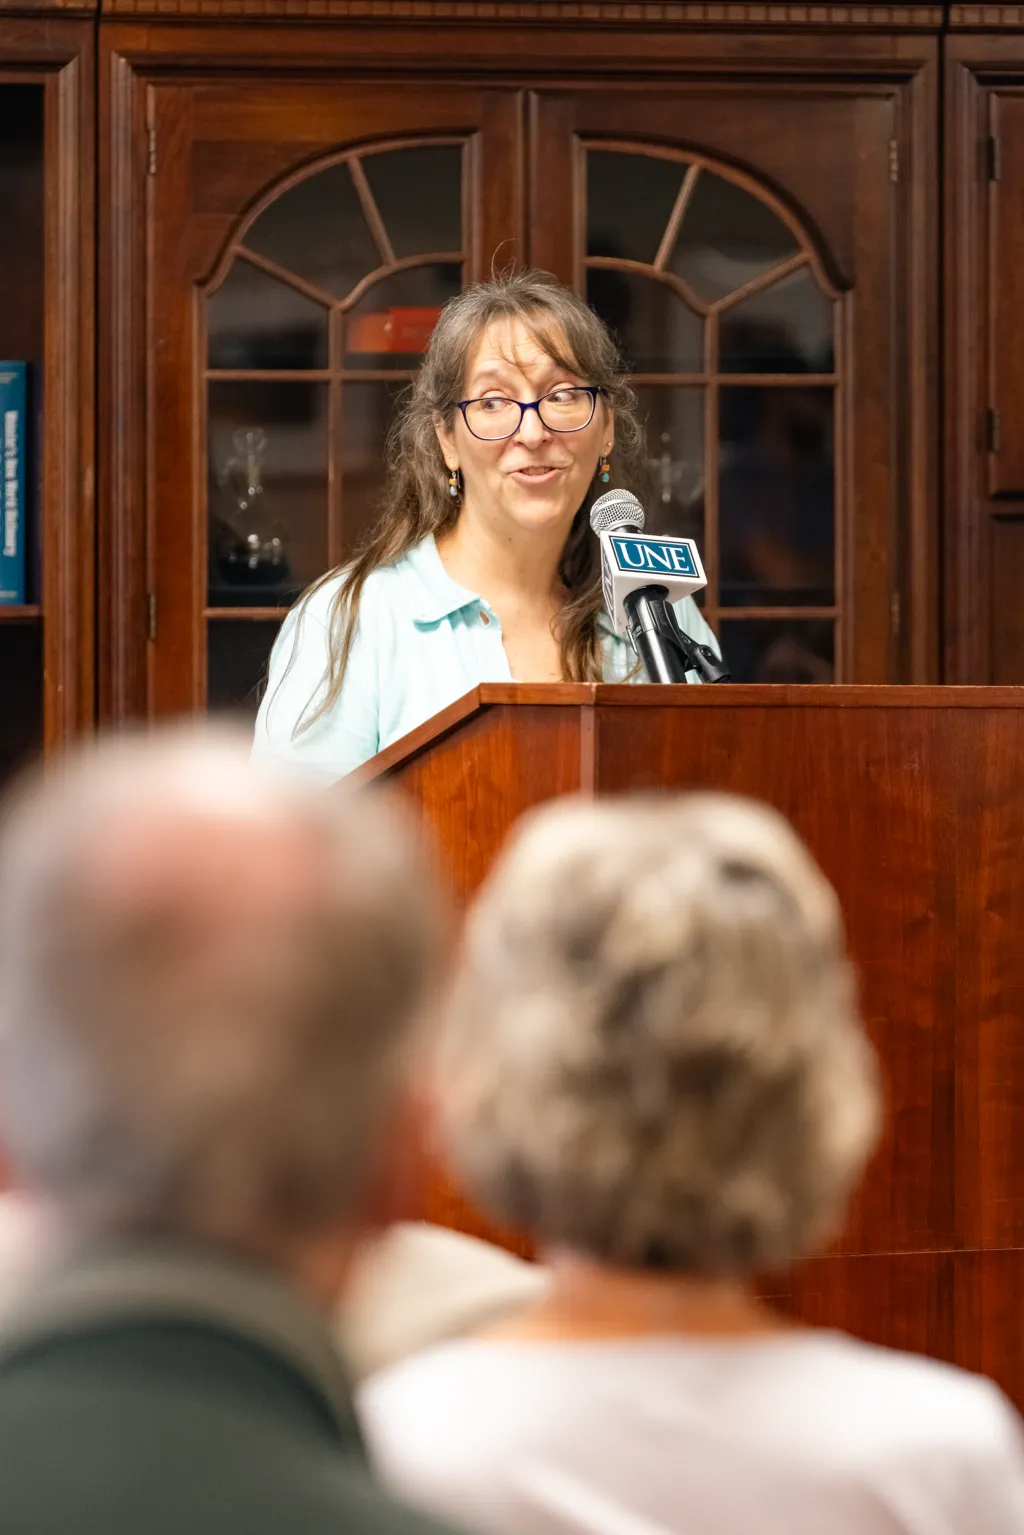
(209, 978)
(654, 1063)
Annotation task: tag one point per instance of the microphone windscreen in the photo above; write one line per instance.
(616, 509)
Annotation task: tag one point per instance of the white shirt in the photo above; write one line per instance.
(802, 1433)
(421, 642)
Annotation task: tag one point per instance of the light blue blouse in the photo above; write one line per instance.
(421, 642)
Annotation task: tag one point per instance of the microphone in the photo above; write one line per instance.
(641, 577)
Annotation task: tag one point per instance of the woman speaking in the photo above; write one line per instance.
(482, 567)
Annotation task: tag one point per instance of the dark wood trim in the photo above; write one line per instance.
(831, 695)
(965, 638)
(33, 11)
(589, 766)
(824, 612)
(750, 695)
(122, 573)
(69, 422)
(395, 53)
(917, 640)
(986, 18)
(617, 14)
(975, 64)
(589, 696)
(254, 615)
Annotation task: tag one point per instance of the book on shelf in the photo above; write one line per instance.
(403, 329)
(13, 481)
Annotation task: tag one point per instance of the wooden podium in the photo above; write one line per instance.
(912, 800)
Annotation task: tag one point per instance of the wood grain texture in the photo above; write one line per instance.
(909, 799)
(983, 639)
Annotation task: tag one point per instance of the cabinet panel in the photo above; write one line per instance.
(983, 370)
(779, 282)
(302, 238)
(1006, 293)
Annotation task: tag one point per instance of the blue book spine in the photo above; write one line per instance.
(13, 479)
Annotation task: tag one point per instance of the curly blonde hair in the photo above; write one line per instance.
(653, 1052)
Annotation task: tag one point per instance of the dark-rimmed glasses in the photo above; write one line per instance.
(493, 416)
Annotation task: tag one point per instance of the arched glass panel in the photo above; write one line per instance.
(727, 237)
(418, 193)
(630, 199)
(318, 231)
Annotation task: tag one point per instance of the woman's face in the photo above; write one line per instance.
(536, 479)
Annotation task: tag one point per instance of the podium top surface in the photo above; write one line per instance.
(590, 695)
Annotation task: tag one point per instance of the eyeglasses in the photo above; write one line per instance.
(493, 417)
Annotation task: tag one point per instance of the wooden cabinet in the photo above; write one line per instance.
(773, 305)
(809, 255)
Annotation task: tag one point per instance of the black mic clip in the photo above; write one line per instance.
(666, 652)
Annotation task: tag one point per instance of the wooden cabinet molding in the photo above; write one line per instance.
(618, 13)
(986, 18)
(39, 8)
(983, 516)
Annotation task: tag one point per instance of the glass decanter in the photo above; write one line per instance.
(251, 539)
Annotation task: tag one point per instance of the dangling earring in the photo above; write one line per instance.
(455, 483)
(604, 469)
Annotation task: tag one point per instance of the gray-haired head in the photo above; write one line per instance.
(208, 976)
(653, 1053)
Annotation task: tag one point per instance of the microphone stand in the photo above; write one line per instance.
(666, 653)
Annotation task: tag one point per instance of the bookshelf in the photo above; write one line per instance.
(46, 318)
(22, 116)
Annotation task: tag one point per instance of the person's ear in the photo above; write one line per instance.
(609, 430)
(446, 439)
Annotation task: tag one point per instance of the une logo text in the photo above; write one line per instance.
(648, 555)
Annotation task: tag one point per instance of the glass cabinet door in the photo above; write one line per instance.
(726, 322)
(728, 274)
(314, 331)
(300, 327)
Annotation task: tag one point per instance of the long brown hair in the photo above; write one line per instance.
(416, 501)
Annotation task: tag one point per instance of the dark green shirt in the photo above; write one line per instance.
(148, 1390)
